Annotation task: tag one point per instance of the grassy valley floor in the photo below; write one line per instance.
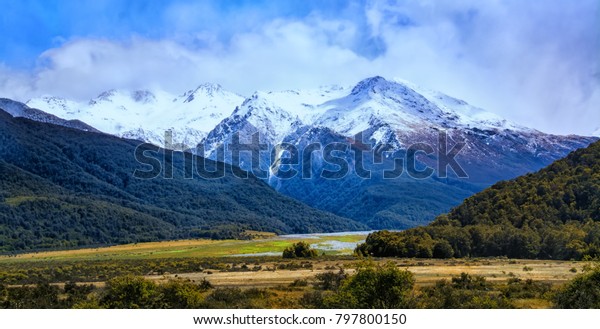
(257, 264)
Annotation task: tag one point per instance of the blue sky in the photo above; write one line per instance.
(535, 62)
(32, 26)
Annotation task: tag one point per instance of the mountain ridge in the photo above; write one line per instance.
(18, 109)
(146, 115)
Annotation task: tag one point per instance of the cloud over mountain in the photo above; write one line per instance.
(535, 63)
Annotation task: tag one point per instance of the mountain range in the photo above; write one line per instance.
(146, 115)
(389, 116)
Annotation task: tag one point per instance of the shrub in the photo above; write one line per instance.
(470, 282)
(299, 283)
(518, 289)
(42, 295)
(464, 291)
(330, 280)
(131, 292)
(205, 285)
(182, 294)
(581, 292)
(312, 299)
(299, 250)
(77, 293)
(225, 298)
(373, 286)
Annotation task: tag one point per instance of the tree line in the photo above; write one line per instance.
(550, 214)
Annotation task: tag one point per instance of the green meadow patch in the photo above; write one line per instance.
(199, 248)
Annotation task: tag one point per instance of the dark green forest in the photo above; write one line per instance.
(66, 188)
(551, 214)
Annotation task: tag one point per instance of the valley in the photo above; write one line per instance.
(231, 266)
(267, 254)
(92, 220)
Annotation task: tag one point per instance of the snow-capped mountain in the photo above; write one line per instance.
(18, 109)
(596, 132)
(396, 114)
(274, 115)
(394, 108)
(460, 112)
(388, 115)
(146, 115)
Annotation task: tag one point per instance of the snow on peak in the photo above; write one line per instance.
(210, 88)
(375, 101)
(18, 109)
(368, 84)
(267, 115)
(381, 108)
(380, 86)
(105, 96)
(146, 114)
(596, 133)
(374, 105)
(143, 96)
(205, 90)
(461, 114)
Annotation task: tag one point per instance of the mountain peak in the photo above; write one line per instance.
(104, 96)
(210, 88)
(207, 88)
(259, 104)
(143, 96)
(107, 94)
(369, 84)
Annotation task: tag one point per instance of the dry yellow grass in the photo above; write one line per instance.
(426, 271)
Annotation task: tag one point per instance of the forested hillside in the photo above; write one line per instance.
(550, 214)
(61, 187)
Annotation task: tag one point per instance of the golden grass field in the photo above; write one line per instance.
(426, 271)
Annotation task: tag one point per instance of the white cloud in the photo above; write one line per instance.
(283, 54)
(535, 63)
(15, 84)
